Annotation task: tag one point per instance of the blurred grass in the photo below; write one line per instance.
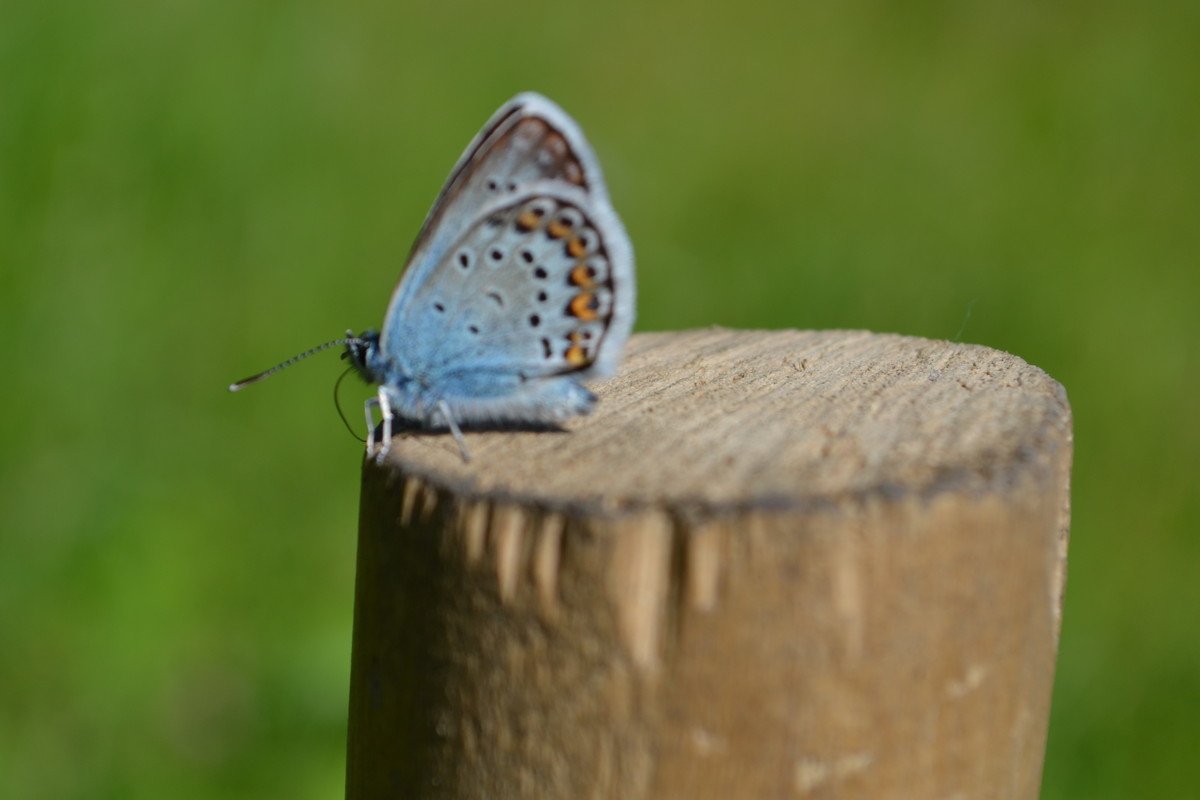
(192, 191)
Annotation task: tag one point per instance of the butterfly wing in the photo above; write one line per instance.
(521, 284)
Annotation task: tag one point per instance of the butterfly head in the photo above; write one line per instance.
(362, 351)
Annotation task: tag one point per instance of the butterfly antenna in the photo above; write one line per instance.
(242, 384)
(337, 404)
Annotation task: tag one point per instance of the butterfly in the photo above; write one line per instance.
(519, 288)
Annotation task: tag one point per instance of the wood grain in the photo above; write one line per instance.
(772, 564)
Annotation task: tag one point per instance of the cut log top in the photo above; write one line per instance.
(716, 417)
(771, 564)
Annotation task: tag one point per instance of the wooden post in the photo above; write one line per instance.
(771, 565)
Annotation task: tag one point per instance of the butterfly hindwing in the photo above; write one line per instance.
(530, 288)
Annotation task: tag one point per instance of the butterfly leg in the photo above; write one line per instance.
(387, 415)
(444, 407)
(367, 406)
(385, 412)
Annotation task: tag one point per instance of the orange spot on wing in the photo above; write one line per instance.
(583, 306)
(576, 248)
(558, 229)
(527, 220)
(581, 275)
(576, 356)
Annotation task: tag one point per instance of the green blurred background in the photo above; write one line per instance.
(191, 191)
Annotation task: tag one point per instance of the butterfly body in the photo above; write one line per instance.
(519, 289)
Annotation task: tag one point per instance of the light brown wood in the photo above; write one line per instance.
(771, 565)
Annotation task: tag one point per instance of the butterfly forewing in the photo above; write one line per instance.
(529, 139)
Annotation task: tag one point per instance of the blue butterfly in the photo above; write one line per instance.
(519, 288)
